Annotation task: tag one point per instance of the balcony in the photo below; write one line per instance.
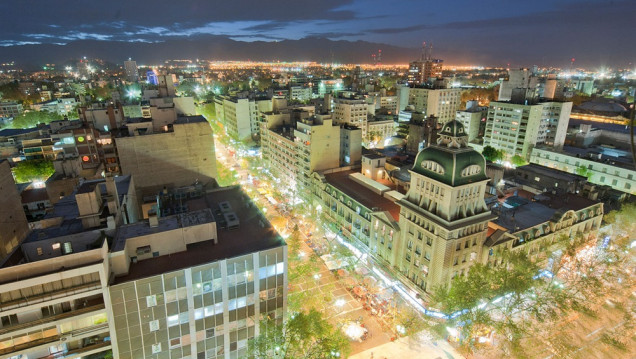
(87, 346)
(53, 318)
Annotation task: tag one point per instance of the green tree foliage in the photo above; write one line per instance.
(583, 171)
(33, 170)
(492, 154)
(305, 335)
(517, 305)
(623, 220)
(518, 161)
(33, 118)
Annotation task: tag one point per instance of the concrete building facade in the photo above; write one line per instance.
(517, 128)
(180, 156)
(441, 103)
(14, 222)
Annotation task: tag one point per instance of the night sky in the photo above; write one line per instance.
(543, 32)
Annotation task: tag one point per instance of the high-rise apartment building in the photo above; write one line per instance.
(132, 72)
(517, 128)
(314, 144)
(517, 79)
(439, 102)
(420, 72)
(352, 112)
(241, 115)
(472, 118)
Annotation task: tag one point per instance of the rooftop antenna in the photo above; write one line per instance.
(423, 55)
(430, 51)
(379, 57)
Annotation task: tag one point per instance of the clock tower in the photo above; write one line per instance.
(443, 217)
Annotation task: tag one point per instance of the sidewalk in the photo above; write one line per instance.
(416, 346)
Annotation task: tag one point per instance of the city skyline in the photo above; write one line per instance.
(510, 34)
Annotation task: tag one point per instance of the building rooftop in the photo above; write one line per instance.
(189, 119)
(362, 194)
(551, 172)
(254, 234)
(523, 211)
(609, 156)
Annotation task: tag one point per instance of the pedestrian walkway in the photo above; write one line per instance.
(418, 346)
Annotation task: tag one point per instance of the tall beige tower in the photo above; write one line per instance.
(443, 217)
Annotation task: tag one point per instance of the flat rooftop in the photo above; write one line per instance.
(362, 194)
(189, 119)
(254, 234)
(606, 155)
(517, 213)
(551, 172)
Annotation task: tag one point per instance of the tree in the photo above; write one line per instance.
(583, 171)
(518, 161)
(34, 118)
(492, 154)
(304, 335)
(521, 304)
(33, 170)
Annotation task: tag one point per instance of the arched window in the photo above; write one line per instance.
(433, 166)
(471, 170)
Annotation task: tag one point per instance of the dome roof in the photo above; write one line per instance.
(451, 161)
(454, 167)
(453, 128)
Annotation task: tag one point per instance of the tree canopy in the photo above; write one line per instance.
(33, 170)
(33, 118)
(522, 301)
(304, 335)
(518, 161)
(492, 154)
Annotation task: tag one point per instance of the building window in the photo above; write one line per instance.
(67, 248)
(175, 342)
(154, 326)
(156, 348)
(151, 300)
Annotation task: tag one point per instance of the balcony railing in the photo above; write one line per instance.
(52, 318)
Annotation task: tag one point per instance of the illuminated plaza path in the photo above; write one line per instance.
(418, 346)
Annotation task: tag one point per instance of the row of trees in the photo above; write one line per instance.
(528, 301)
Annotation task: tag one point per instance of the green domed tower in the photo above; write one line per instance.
(445, 204)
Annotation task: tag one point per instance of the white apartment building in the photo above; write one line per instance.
(352, 112)
(294, 153)
(300, 93)
(517, 128)
(240, 116)
(471, 118)
(604, 170)
(441, 103)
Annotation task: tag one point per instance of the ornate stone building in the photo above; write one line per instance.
(443, 217)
